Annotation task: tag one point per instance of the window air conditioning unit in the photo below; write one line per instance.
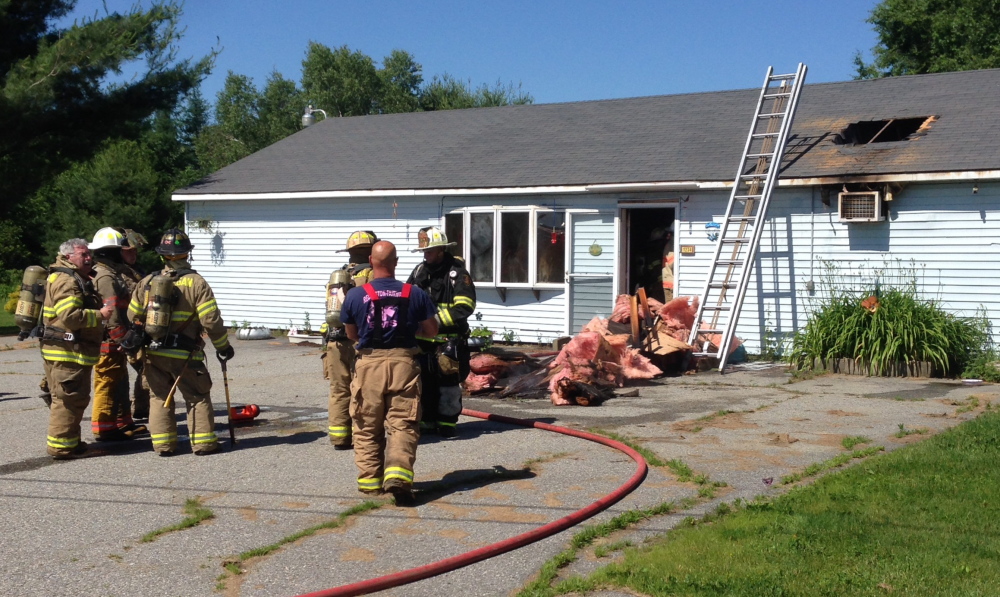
(865, 206)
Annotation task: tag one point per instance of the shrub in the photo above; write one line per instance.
(885, 326)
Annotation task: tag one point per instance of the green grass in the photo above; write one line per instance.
(7, 325)
(854, 440)
(921, 520)
(195, 515)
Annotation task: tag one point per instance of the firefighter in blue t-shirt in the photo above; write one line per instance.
(384, 317)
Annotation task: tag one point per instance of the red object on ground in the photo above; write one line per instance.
(244, 413)
(477, 555)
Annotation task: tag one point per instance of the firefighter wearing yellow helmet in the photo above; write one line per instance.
(176, 305)
(111, 414)
(339, 356)
(445, 359)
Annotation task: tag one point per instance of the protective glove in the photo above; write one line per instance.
(226, 353)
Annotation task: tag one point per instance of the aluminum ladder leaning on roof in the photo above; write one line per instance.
(739, 235)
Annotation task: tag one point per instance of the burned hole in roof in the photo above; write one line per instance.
(883, 131)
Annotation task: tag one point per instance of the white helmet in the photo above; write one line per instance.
(107, 238)
(431, 237)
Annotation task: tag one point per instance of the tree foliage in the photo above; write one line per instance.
(248, 119)
(931, 36)
(341, 82)
(61, 103)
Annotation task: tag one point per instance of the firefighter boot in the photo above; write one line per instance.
(402, 492)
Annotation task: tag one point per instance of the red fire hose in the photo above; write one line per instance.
(477, 555)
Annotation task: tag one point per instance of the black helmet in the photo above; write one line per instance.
(174, 242)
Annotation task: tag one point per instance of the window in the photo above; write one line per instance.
(514, 231)
(481, 247)
(453, 230)
(551, 242)
(523, 247)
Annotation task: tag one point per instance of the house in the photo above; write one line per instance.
(559, 207)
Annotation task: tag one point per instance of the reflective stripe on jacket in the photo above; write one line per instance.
(76, 310)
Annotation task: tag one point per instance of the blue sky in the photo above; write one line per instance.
(558, 50)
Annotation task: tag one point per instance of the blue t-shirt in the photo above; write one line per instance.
(358, 310)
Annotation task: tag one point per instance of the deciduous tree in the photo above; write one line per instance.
(931, 36)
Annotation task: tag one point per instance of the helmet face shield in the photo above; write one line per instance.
(174, 242)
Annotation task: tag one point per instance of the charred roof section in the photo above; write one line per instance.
(883, 131)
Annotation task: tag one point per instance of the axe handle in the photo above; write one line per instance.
(169, 402)
(229, 406)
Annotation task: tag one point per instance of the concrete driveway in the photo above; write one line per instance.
(75, 527)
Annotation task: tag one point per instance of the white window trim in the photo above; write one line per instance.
(533, 212)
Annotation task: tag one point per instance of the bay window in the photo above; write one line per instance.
(511, 247)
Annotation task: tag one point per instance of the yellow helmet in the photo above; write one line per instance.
(431, 237)
(107, 238)
(360, 239)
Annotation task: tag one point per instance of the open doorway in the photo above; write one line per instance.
(649, 251)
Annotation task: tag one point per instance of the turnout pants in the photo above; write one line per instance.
(340, 357)
(441, 394)
(140, 393)
(69, 384)
(195, 386)
(111, 410)
(385, 397)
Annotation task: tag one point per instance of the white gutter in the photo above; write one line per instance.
(978, 175)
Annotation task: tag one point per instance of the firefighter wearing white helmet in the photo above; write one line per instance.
(339, 356)
(445, 359)
(176, 355)
(111, 415)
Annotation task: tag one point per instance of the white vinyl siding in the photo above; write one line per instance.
(268, 261)
(941, 234)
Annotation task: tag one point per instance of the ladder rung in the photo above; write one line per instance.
(731, 241)
(707, 331)
(776, 95)
(705, 354)
(729, 262)
(760, 175)
(760, 155)
(726, 285)
(747, 196)
(782, 77)
(735, 219)
(719, 308)
(764, 135)
(771, 115)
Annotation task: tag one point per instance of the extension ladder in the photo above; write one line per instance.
(741, 228)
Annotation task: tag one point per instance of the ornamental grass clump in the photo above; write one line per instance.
(884, 327)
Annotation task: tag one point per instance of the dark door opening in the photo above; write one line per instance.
(649, 251)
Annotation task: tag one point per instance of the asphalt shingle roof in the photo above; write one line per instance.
(696, 136)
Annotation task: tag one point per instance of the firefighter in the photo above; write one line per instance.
(339, 356)
(175, 306)
(73, 316)
(111, 415)
(383, 317)
(131, 274)
(445, 358)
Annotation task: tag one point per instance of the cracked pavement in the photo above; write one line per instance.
(76, 526)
